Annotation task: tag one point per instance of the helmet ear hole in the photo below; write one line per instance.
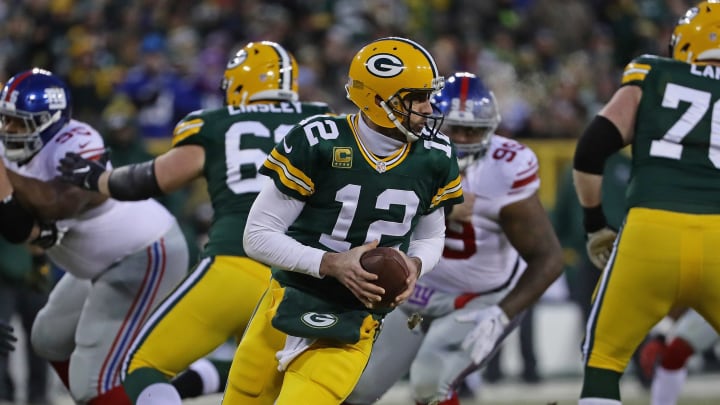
(396, 103)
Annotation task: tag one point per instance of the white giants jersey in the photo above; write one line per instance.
(478, 257)
(103, 235)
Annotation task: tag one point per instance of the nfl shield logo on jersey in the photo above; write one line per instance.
(380, 166)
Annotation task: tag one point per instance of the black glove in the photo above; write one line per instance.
(49, 236)
(82, 172)
(7, 339)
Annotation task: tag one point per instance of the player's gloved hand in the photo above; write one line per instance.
(82, 172)
(490, 325)
(599, 246)
(7, 339)
(600, 237)
(49, 236)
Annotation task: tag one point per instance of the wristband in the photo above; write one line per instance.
(47, 237)
(594, 218)
(134, 182)
(92, 180)
(16, 223)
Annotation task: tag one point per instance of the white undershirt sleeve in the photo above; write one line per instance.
(428, 240)
(265, 240)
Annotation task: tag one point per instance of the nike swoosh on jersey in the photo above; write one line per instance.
(287, 149)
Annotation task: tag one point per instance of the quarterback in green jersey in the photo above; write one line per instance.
(339, 187)
(226, 147)
(665, 255)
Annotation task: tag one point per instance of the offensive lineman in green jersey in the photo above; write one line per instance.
(665, 254)
(226, 146)
(341, 186)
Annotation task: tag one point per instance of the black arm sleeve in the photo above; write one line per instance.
(15, 222)
(134, 182)
(600, 140)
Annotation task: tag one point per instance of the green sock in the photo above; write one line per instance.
(223, 369)
(601, 383)
(140, 379)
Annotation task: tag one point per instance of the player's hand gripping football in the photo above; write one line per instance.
(415, 266)
(599, 246)
(82, 172)
(490, 323)
(345, 266)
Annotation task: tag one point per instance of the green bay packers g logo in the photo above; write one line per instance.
(385, 65)
(315, 320)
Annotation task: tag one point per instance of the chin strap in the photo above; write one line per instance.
(409, 135)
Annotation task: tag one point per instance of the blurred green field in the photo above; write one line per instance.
(709, 401)
(644, 400)
(701, 389)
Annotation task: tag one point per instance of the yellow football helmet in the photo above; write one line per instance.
(381, 77)
(260, 71)
(696, 37)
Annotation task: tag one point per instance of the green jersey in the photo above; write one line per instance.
(676, 148)
(352, 196)
(236, 141)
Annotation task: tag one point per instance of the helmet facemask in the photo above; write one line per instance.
(399, 111)
(24, 140)
(468, 153)
(480, 123)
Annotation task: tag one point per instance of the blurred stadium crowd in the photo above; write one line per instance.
(550, 62)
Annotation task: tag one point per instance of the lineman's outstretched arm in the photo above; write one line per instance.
(165, 174)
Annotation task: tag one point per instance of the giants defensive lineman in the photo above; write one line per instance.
(121, 258)
(501, 253)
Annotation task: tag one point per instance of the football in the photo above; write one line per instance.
(390, 267)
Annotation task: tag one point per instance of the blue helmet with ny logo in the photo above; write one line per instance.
(34, 106)
(471, 115)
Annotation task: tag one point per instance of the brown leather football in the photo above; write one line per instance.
(390, 267)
